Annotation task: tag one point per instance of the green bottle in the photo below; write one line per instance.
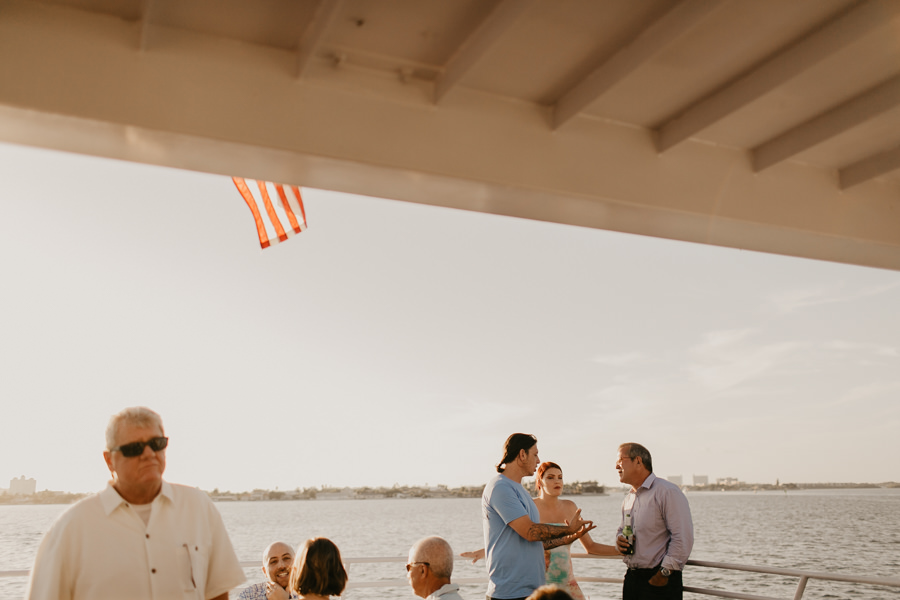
(628, 532)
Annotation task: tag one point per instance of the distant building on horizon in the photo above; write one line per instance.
(727, 481)
(676, 479)
(21, 486)
(701, 480)
(336, 494)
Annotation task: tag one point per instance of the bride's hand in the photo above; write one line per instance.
(475, 556)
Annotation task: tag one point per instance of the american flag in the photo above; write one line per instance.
(275, 221)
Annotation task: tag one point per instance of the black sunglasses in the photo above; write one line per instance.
(418, 562)
(137, 448)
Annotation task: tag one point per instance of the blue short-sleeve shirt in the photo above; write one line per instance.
(515, 566)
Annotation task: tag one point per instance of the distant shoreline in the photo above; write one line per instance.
(400, 493)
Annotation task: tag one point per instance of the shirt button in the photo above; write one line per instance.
(153, 570)
(148, 536)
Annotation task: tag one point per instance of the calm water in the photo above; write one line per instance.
(846, 531)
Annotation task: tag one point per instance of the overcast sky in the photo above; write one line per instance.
(400, 343)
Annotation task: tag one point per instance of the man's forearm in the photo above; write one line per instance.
(542, 532)
(560, 541)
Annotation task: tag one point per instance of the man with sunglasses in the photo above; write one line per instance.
(429, 568)
(141, 538)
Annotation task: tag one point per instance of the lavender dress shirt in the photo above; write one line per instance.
(663, 529)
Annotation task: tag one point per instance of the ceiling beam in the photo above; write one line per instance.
(181, 108)
(502, 17)
(857, 110)
(146, 24)
(869, 168)
(315, 32)
(779, 68)
(666, 29)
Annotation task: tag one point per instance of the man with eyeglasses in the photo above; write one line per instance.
(141, 538)
(663, 530)
(429, 568)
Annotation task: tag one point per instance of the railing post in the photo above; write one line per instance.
(801, 587)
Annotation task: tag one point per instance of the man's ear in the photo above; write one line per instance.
(107, 456)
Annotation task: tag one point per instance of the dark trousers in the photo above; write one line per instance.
(637, 586)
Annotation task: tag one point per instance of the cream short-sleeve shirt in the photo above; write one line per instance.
(100, 548)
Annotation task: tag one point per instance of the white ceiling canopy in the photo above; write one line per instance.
(771, 125)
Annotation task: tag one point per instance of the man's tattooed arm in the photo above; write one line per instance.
(545, 533)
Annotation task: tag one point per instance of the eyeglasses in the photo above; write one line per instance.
(412, 564)
(137, 448)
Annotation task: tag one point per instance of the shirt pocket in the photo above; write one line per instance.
(195, 560)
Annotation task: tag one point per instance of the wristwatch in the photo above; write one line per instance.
(664, 572)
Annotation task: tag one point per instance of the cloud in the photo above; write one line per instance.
(869, 391)
(618, 360)
(723, 338)
(863, 348)
(725, 359)
(631, 397)
(454, 413)
(791, 300)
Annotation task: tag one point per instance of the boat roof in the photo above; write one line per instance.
(769, 125)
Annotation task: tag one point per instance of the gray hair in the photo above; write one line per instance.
(635, 451)
(136, 416)
(436, 551)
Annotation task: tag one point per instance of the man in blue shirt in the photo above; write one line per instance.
(662, 526)
(514, 537)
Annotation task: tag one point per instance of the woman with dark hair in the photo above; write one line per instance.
(556, 511)
(514, 536)
(318, 572)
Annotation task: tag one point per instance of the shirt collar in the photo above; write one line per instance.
(648, 483)
(445, 589)
(111, 500)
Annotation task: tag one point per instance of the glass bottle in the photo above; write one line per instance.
(628, 532)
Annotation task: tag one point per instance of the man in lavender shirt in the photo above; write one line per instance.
(662, 526)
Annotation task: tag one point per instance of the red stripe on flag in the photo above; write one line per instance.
(287, 208)
(257, 218)
(270, 210)
(296, 191)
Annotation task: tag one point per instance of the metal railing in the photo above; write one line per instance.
(803, 576)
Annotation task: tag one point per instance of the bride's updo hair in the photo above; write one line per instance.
(515, 443)
(543, 469)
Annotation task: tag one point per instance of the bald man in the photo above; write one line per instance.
(429, 569)
(276, 564)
